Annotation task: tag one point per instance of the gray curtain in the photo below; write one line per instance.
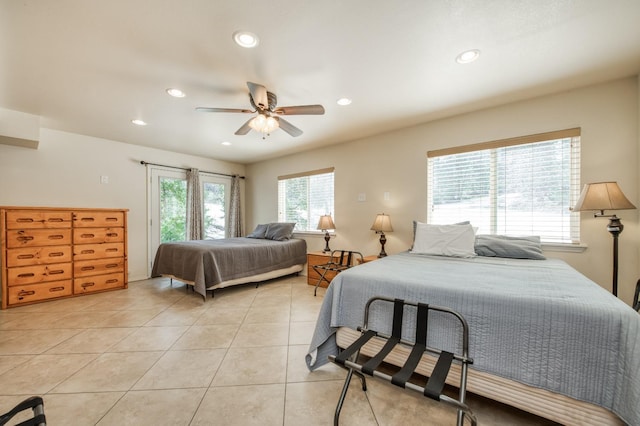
(194, 205)
(235, 211)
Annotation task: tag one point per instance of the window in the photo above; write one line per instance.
(167, 206)
(520, 186)
(304, 197)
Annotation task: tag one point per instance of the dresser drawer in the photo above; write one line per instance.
(33, 219)
(38, 237)
(98, 235)
(34, 292)
(39, 273)
(96, 251)
(85, 268)
(91, 219)
(38, 255)
(98, 283)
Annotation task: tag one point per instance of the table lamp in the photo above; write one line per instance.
(381, 225)
(324, 224)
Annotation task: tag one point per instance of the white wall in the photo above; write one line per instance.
(395, 162)
(65, 171)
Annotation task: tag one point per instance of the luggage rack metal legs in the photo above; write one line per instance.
(34, 403)
(435, 384)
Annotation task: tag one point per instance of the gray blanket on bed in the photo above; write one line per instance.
(539, 322)
(210, 262)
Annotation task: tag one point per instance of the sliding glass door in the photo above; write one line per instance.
(167, 206)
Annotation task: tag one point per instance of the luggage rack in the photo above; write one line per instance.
(34, 403)
(348, 358)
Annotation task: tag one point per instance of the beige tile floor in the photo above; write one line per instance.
(156, 354)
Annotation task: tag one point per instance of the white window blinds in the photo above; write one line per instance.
(304, 197)
(520, 186)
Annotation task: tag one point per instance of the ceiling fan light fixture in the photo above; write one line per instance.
(264, 124)
(245, 39)
(468, 56)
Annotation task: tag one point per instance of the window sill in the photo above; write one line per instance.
(312, 234)
(567, 248)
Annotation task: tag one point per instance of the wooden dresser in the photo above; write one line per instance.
(49, 253)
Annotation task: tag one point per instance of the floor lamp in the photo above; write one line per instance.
(601, 196)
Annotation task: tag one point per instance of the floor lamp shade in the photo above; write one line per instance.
(601, 196)
(324, 224)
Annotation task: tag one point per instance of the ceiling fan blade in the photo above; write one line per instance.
(259, 95)
(205, 109)
(245, 128)
(288, 127)
(300, 110)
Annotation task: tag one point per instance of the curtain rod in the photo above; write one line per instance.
(146, 163)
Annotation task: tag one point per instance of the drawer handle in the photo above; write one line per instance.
(111, 219)
(56, 254)
(56, 272)
(111, 281)
(87, 219)
(24, 293)
(53, 289)
(111, 250)
(25, 238)
(111, 265)
(55, 219)
(26, 275)
(25, 256)
(87, 268)
(87, 236)
(24, 220)
(87, 251)
(85, 285)
(56, 237)
(112, 234)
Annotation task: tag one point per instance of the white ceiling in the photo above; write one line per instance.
(91, 66)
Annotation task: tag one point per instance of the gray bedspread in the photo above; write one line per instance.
(210, 262)
(538, 322)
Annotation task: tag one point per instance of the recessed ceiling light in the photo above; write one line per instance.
(176, 93)
(138, 122)
(225, 143)
(468, 56)
(245, 39)
(344, 101)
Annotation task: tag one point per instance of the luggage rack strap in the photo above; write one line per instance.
(348, 358)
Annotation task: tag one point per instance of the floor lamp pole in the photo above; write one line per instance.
(615, 227)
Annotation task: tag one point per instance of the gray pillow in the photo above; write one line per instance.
(511, 247)
(259, 232)
(280, 231)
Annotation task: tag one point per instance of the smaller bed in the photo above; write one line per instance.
(213, 264)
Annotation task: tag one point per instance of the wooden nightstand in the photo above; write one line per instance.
(318, 258)
(369, 258)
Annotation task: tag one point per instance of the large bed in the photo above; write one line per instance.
(214, 264)
(543, 337)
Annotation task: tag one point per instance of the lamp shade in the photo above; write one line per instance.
(326, 222)
(602, 196)
(382, 223)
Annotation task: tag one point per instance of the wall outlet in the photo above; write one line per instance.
(104, 179)
(362, 196)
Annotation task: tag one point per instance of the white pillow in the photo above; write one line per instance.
(445, 240)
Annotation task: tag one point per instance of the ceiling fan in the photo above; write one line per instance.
(268, 118)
